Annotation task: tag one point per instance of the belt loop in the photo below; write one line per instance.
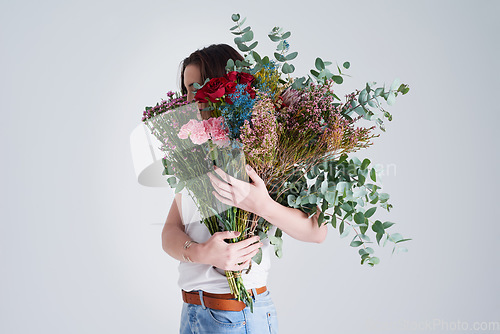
(254, 293)
(200, 292)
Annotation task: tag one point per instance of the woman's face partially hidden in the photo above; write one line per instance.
(192, 74)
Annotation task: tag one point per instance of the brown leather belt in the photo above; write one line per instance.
(218, 301)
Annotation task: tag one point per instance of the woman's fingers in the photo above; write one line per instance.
(247, 242)
(227, 234)
(253, 175)
(232, 256)
(226, 177)
(249, 251)
(245, 250)
(246, 260)
(222, 199)
(218, 184)
(248, 257)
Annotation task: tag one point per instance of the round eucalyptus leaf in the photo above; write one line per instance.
(379, 91)
(359, 218)
(319, 64)
(330, 197)
(253, 45)
(312, 199)
(274, 38)
(248, 36)
(386, 225)
(291, 56)
(356, 243)
(258, 257)
(287, 68)
(370, 212)
(243, 47)
(337, 79)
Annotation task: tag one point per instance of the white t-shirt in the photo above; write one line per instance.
(196, 276)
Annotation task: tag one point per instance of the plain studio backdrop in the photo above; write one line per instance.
(80, 243)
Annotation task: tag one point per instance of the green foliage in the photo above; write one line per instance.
(347, 198)
(277, 242)
(367, 103)
(258, 257)
(363, 105)
(321, 73)
(281, 55)
(245, 35)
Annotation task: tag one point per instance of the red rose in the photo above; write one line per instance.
(230, 89)
(213, 90)
(246, 78)
(250, 91)
(232, 76)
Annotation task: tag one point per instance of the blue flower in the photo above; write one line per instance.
(235, 114)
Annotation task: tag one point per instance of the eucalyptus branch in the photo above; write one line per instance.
(353, 227)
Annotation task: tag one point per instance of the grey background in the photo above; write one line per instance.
(80, 247)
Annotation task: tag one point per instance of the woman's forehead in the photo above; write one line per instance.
(192, 74)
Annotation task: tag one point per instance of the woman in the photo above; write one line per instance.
(208, 307)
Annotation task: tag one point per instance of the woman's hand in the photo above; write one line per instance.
(249, 196)
(254, 197)
(227, 256)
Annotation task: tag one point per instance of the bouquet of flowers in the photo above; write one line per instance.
(193, 147)
(295, 132)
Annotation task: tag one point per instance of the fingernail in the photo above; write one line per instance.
(249, 168)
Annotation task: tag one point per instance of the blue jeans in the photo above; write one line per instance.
(197, 319)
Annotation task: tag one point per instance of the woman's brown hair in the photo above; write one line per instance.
(212, 61)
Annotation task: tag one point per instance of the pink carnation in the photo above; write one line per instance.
(195, 130)
(201, 131)
(217, 130)
(210, 124)
(198, 134)
(220, 138)
(185, 130)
